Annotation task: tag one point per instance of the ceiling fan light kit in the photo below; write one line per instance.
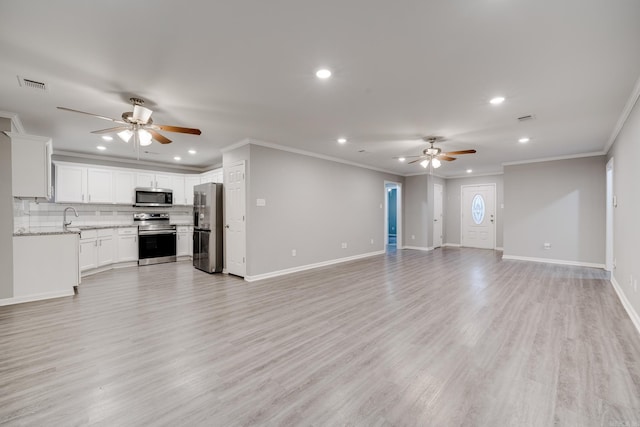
(434, 155)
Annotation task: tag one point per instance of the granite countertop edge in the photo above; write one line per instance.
(77, 230)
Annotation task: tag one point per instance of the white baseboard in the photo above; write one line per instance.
(309, 266)
(499, 248)
(554, 261)
(417, 248)
(36, 297)
(451, 245)
(626, 304)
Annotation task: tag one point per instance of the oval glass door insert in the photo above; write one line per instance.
(477, 209)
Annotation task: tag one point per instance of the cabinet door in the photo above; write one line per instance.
(177, 185)
(207, 177)
(31, 165)
(183, 244)
(189, 183)
(124, 187)
(88, 254)
(127, 248)
(190, 242)
(70, 184)
(105, 251)
(163, 181)
(145, 179)
(99, 185)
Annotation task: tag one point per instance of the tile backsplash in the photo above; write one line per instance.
(29, 215)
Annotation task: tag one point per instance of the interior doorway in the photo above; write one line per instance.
(610, 205)
(437, 215)
(392, 216)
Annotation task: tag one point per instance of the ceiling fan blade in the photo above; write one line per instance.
(158, 137)
(177, 129)
(110, 130)
(418, 159)
(404, 157)
(91, 114)
(446, 158)
(455, 153)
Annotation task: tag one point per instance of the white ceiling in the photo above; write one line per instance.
(245, 69)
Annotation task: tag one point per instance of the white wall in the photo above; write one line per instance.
(626, 244)
(452, 207)
(560, 202)
(313, 206)
(6, 213)
(416, 211)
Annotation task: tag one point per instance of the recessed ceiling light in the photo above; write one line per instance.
(101, 147)
(524, 140)
(323, 73)
(401, 159)
(342, 140)
(107, 138)
(192, 151)
(177, 158)
(469, 170)
(497, 100)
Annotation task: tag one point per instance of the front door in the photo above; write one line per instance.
(234, 191)
(478, 216)
(437, 215)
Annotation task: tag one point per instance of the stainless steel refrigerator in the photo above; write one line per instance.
(207, 227)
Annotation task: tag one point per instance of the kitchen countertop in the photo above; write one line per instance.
(43, 231)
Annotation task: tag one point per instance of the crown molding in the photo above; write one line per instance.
(274, 146)
(551, 159)
(475, 175)
(631, 102)
(15, 120)
(129, 161)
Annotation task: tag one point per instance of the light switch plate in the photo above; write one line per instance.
(261, 202)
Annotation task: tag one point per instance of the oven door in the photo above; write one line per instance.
(156, 246)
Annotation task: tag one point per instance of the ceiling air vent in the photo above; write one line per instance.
(32, 84)
(527, 117)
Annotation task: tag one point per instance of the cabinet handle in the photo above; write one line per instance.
(95, 243)
(89, 197)
(83, 197)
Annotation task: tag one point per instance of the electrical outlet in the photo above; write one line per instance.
(413, 237)
(293, 252)
(547, 245)
(344, 245)
(372, 241)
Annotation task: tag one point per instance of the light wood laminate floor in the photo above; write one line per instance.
(444, 338)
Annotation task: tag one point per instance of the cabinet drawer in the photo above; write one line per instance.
(105, 232)
(88, 234)
(127, 231)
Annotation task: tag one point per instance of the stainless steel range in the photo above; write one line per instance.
(156, 238)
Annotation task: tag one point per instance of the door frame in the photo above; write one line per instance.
(242, 163)
(495, 211)
(433, 234)
(610, 209)
(385, 225)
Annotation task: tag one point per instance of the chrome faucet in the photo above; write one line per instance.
(66, 223)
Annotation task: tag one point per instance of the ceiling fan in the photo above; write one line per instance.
(433, 155)
(137, 124)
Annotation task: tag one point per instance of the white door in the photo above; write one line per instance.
(437, 215)
(478, 216)
(145, 180)
(177, 185)
(162, 181)
(124, 187)
(234, 192)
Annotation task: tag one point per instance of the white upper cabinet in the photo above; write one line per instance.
(30, 165)
(163, 181)
(190, 181)
(71, 184)
(177, 185)
(145, 179)
(124, 183)
(99, 185)
(81, 183)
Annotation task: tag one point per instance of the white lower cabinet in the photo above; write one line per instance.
(97, 248)
(184, 244)
(127, 249)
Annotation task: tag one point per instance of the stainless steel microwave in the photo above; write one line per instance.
(153, 197)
